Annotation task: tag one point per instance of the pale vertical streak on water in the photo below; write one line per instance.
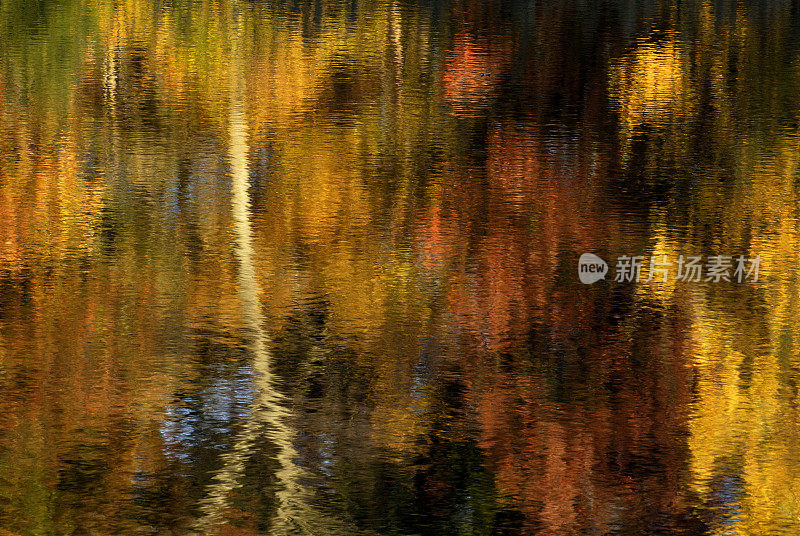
(267, 407)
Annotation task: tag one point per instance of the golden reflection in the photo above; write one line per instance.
(652, 88)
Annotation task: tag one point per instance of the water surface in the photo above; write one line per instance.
(310, 267)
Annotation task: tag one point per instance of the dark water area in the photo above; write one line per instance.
(314, 267)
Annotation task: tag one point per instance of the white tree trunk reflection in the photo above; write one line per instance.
(268, 413)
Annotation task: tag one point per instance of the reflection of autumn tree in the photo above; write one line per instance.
(741, 346)
(473, 73)
(565, 462)
(645, 83)
(88, 381)
(571, 436)
(528, 211)
(745, 421)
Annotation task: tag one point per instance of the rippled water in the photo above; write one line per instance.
(311, 267)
